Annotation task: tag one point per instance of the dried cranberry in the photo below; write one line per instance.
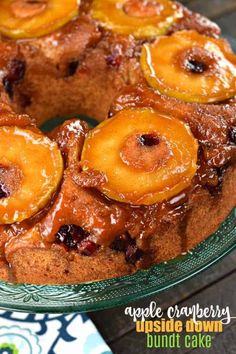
(232, 135)
(133, 254)
(124, 243)
(110, 114)
(8, 87)
(87, 247)
(121, 243)
(3, 191)
(114, 60)
(149, 140)
(196, 66)
(71, 235)
(72, 67)
(74, 237)
(16, 70)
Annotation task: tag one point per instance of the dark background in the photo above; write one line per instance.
(215, 286)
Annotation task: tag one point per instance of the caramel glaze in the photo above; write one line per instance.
(78, 202)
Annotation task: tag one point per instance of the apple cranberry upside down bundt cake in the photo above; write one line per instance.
(151, 181)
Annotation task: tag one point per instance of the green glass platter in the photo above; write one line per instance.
(119, 291)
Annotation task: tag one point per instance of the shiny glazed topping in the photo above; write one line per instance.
(76, 203)
(190, 67)
(31, 168)
(140, 18)
(80, 218)
(145, 157)
(29, 19)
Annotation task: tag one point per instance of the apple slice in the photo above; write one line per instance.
(146, 157)
(31, 169)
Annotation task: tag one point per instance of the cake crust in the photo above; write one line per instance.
(60, 77)
(56, 266)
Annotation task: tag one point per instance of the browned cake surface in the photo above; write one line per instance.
(80, 68)
(204, 216)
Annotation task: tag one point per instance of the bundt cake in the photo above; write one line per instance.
(156, 177)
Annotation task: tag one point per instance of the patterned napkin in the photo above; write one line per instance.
(22, 333)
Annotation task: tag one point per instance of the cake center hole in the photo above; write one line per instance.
(196, 60)
(28, 8)
(196, 66)
(3, 191)
(149, 140)
(142, 8)
(145, 151)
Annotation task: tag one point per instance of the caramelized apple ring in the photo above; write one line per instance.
(142, 19)
(145, 156)
(190, 67)
(29, 19)
(31, 168)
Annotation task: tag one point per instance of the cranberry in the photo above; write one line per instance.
(121, 243)
(110, 114)
(75, 238)
(133, 254)
(8, 87)
(16, 70)
(232, 135)
(114, 60)
(87, 247)
(149, 140)
(72, 67)
(124, 243)
(3, 192)
(196, 66)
